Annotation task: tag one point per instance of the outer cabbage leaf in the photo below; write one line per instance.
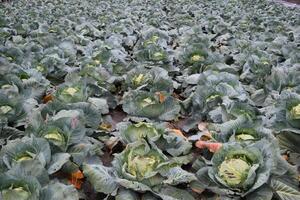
(56, 190)
(26, 150)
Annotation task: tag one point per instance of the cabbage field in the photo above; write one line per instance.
(149, 100)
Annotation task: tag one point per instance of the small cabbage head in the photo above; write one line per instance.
(139, 79)
(55, 137)
(151, 40)
(295, 112)
(70, 91)
(147, 102)
(25, 156)
(246, 134)
(197, 58)
(40, 68)
(244, 137)
(12, 193)
(5, 109)
(70, 94)
(212, 98)
(6, 87)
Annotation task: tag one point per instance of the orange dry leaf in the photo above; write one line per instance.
(48, 98)
(211, 146)
(76, 179)
(285, 157)
(178, 133)
(78, 175)
(161, 97)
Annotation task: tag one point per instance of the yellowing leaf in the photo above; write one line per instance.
(48, 98)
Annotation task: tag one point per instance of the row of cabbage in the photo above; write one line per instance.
(178, 96)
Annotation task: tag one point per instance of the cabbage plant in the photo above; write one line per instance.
(195, 56)
(153, 47)
(62, 130)
(246, 132)
(250, 171)
(287, 112)
(26, 149)
(194, 52)
(141, 168)
(235, 116)
(256, 68)
(285, 122)
(19, 187)
(155, 79)
(12, 110)
(160, 106)
(283, 78)
(11, 85)
(165, 138)
(70, 94)
(212, 91)
(153, 53)
(25, 187)
(26, 83)
(89, 112)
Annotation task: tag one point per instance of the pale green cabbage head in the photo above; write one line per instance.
(142, 165)
(55, 137)
(197, 58)
(295, 112)
(5, 109)
(15, 193)
(243, 137)
(70, 91)
(234, 171)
